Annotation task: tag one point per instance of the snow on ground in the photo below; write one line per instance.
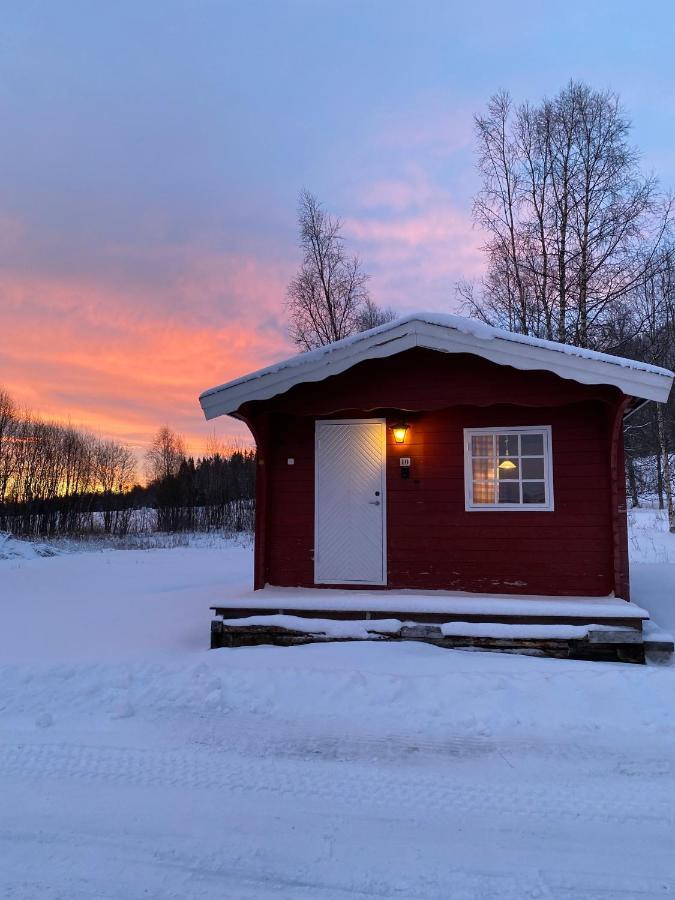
(652, 553)
(11, 548)
(135, 763)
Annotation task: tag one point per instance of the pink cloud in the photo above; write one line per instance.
(437, 126)
(124, 362)
(416, 240)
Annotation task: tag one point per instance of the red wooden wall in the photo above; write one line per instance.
(432, 541)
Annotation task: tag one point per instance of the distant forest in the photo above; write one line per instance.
(58, 480)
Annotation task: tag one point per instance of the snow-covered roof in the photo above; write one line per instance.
(447, 334)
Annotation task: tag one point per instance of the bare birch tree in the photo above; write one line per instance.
(372, 315)
(328, 299)
(653, 339)
(165, 454)
(8, 428)
(574, 228)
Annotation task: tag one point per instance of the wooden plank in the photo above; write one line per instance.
(618, 500)
(431, 618)
(216, 634)
(630, 636)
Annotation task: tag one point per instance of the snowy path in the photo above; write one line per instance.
(145, 766)
(312, 816)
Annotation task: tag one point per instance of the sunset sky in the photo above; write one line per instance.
(152, 153)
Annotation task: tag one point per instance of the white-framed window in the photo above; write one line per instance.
(508, 468)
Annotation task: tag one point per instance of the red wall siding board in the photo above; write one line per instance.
(618, 500)
(432, 541)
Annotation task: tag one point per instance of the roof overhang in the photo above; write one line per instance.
(445, 334)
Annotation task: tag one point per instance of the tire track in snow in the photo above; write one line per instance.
(381, 786)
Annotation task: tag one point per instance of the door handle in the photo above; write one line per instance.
(374, 502)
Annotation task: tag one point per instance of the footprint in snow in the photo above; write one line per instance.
(122, 710)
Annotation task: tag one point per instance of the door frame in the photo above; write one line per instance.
(383, 423)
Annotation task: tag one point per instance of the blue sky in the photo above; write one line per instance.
(152, 154)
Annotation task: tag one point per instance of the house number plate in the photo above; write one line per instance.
(405, 462)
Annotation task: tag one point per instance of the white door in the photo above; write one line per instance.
(349, 524)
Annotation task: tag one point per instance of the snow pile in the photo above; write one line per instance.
(13, 548)
(654, 633)
(485, 332)
(509, 631)
(357, 629)
(369, 629)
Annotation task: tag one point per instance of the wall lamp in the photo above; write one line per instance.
(399, 430)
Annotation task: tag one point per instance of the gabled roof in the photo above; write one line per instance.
(446, 334)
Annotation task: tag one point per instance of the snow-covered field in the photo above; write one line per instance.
(135, 763)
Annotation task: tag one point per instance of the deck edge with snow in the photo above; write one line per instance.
(433, 606)
(588, 641)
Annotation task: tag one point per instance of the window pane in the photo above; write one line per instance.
(483, 469)
(508, 469)
(533, 468)
(481, 445)
(508, 445)
(532, 444)
(534, 492)
(509, 493)
(483, 493)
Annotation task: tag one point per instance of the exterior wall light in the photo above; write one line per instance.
(399, 431)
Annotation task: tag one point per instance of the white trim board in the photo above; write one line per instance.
(446, 334)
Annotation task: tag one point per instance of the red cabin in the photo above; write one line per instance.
(435, 453)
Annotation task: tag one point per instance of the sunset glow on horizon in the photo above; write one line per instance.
(153, 155)
(111, 362)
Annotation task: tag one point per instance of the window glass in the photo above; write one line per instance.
(534, 492)
(482, 445)
(483, 469)
(532, 444)
(509, 492)
(483, 493)
(508, 445)
(533, 468)
(508, 468)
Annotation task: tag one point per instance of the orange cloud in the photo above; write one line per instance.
(124, 362)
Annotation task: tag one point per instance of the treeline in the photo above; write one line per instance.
(210, 494)
(58, 480)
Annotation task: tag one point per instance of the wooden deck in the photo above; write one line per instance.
(597, 627)
(433, 607)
